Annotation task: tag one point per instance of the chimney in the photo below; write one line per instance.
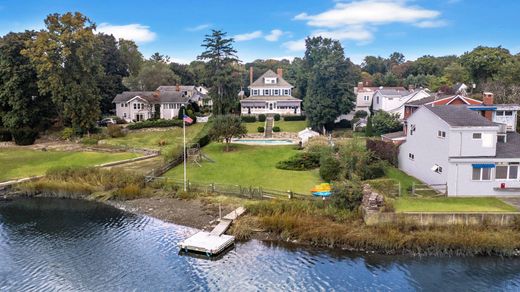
(279, 72)
(487, 98)
(411, 87)
(250, 75)
(177, 87)
(360, 86)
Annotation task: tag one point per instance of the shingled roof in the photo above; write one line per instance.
(510, 149)
(260, 82)
(152, 96)
(460, 116)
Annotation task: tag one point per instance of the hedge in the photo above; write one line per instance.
(5, 135)
(300, 162)
(260, 129)
(277, 117)
(294, 118)
(24, 136)
(276, 129)
(261, 118)
(387, 151)
(155, 124)
(248, 119)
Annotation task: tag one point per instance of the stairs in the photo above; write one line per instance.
(269, 122)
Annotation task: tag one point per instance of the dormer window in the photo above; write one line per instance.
(477, 136)
(270, 80)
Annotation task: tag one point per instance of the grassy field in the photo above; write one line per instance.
(443, 204)
(151, 139)
(19, 163)
(249, 166)
(291, 126)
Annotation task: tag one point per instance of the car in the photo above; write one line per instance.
(106, 121)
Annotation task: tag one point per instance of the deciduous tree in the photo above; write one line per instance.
(226, 127)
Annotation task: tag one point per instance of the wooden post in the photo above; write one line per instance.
(219, 210)
(399, 186)
(290, 195)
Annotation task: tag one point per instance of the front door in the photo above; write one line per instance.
(139, 117)
(270, 106)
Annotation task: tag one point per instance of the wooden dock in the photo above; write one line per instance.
(214, 242)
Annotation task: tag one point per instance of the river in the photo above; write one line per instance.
(56, 244)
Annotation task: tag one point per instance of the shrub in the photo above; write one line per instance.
(67, 133)
(5, 135)
(248, 119)
(155, 124)
(261, 118)
(301, 161)
(119, 120)
(360, 114)
(329, 167)
(294, 118)
(343, 124)
(277, 117)
(347, 194)
(128, 192)
(115, 131)
(383, 150)
(89, 141)
(276, 129)
(384, 122)
(24, 136)
(260, 129)
(374, 170)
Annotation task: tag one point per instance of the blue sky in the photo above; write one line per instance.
(277, 28)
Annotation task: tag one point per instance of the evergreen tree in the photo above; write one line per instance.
(369, 132)
(221, 71)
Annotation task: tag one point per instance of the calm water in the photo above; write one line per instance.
(50, 244)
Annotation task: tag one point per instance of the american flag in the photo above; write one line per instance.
(187, 119)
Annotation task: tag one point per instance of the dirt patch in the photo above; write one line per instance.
(192, 213)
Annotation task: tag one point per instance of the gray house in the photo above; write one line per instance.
(460, 147)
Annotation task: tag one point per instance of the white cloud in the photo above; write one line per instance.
(274, 35)
(296, 46)
(368, 12)
(199, 27)
(431, 23)
(248, 36)
(136, 32)
(353, 33)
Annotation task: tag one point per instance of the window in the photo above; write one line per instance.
(508, 113)
(377, 99)
(481, 174)
(124, 115)
(441, 134)
(437, 168)
(506, 172)
(135, 105)
(499, 113)
(477, 136)
(412, 129)
(366, 97)
(411, 156)
(276, 92)
(266, 91)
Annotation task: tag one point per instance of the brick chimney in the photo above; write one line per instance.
(488, 98)
(250, 75)
(360, 86)
(177, 87)
(279, 72)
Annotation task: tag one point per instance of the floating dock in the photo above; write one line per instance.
(214, 242)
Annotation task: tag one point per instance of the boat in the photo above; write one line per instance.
(322, 190)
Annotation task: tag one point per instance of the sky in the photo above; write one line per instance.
(277, 28)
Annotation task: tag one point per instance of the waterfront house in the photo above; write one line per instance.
(438, 99)
(393, 100)
(472, 149)
(270, 94)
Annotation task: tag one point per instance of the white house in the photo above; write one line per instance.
(463, 147)
(365, 95)
(393, 100)
(306, 134)
(270, 94)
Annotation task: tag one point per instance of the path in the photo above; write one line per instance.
(269, 127)
(514, 201)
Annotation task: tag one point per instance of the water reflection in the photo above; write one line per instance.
(51, 244)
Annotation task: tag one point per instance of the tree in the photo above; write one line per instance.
(330, 82)
(131, 56)
(68, 64)
(385, 122)
(484, 62)
(115, 69)
(226, 127)
(21, 104)
(152, 75)
(221, 71)
(369, 130)
(185, 75)
(372, 65)
(455, 73)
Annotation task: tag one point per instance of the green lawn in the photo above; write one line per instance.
(151, 139)
(444, 204)
(249, 166)
(400, 176)
(20, 163)
(291, 126)
(253, 127)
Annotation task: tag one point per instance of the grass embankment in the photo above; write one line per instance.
(317, 224)
(163, 140)
(249, 166)
(285, 126)
(20, 163)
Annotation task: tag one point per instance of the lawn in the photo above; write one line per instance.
(151, 139)
(19, 163)
(249, 166)
(444, 204)
(285, 126)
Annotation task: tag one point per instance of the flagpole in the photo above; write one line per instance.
(184, 147)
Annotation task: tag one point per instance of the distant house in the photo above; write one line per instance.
(393, 100)
(436, 100)
(473, 149)
(270, 94)
(365, 95)
(460, 89)
(142, 105)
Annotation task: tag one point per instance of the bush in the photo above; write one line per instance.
(294, 118)
(387, 151)
(155, 124)
(115, 131)
(67, 133)
(89, 141)
(24, 136)
(277, 117)
(347, 195)
(128, 192)
(248, 119)
(329, 167)
(343, 124)
(119, 120)
(276, 129)
(260, 129)
(301, 161)
(374, 170)
(5, 135)
(360, 114)
(261, 118)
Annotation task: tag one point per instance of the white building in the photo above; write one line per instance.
(270, 94)
(393, 100)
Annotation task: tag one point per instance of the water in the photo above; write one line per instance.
(52, 244)
(265, 142)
